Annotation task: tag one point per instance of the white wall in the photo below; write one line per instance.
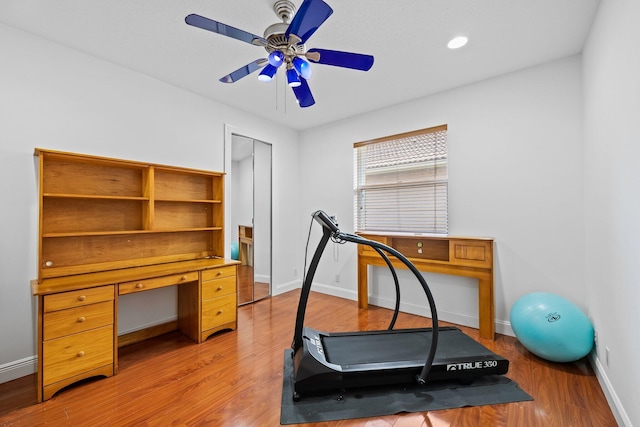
(612, 202)
(57, 98)
(515, 174)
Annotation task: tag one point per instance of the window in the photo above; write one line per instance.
(400, 183)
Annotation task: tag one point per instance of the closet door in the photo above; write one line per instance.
(250, 214)
(261, 219)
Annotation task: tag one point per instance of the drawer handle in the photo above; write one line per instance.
(219, 273)
(219, 311)
(82, 298)
(183, 278)
(139, 285)
(81, 319)
(219, 288)
(80, 353)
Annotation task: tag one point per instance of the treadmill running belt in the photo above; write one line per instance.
(399, 346)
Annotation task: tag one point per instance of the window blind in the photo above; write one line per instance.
(401, 183)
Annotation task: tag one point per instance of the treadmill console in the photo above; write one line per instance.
(326, 221)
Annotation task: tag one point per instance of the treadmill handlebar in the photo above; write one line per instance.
(326, 221)
(331, 229)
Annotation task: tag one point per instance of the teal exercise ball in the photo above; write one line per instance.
(551, 327)
(234, 251)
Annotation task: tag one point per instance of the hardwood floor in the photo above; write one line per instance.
(235, 379)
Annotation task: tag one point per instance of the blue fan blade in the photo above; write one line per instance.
(303, 94)
(225, 30)
(356, 61)
(244, 71)
(309, 17)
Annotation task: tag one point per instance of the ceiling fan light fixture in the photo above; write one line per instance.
(285, 43)
(276, 58)
(457, 42)
(292, 78)
(302, 67)
(267, 73)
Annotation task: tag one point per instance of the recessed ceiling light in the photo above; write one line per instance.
(457, 42)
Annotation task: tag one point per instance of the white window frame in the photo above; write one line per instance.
(401, 183)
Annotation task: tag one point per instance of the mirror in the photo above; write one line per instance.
(250, 214)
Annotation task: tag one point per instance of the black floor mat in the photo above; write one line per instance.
(389, 400)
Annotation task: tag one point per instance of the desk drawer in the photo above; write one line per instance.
(367, 250)
(218, 311)
(74, 354)
(422, 248)
(218, 273)
(156, 282)
(218, 288)
(79, 298)
(73, 320)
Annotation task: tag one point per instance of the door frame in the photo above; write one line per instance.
(229, 132)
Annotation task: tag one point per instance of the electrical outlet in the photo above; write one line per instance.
(295, 272)
(337, 278)
(606, 355)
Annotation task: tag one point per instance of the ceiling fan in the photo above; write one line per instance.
(285, 45)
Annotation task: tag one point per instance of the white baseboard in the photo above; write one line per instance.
(621, 416)
(286, 287)
(501, 326)
(147, 325)
(264, 278)
(18, 369)
(27, 366)
(335, 291)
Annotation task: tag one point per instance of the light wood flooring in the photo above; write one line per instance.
(235, 379)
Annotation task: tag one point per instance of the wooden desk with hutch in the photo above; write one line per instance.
(458, 256)
(110, 227)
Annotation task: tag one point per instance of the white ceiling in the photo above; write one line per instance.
(407, 38)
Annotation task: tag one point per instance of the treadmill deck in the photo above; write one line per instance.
(365, 358)
(405, 346)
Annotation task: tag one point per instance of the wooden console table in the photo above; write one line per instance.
(458, 256)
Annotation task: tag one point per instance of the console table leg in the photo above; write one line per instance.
(363, 285)
(486, 310)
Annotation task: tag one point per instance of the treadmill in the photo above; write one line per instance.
(332, 361)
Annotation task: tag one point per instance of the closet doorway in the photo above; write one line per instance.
(250, 214)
